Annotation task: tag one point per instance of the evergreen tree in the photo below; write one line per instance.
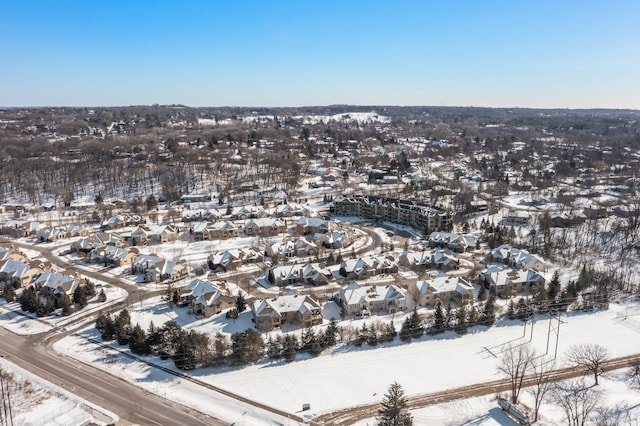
(461, 319)
(541, 300)
(274, 347)
(102, 297)
(330, 333)
(108, 328)
(66, 306)
(220, 348)
(9, 293)
(389, 332)
(138, 341)
(100, 320)
(241, 303)
(554, 286)
(89, 289)
(489, 312)
(448, 316)
(412, 327)
(361, 335)
(393, 410)
(289, 348)
(511, 310)
(80, 297)
(439, 320)
(473, 318)
(184, 356)
(523, 311)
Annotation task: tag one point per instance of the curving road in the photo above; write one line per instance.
(128, 401)
(133, 404)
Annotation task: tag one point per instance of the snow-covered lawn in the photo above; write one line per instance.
(13, 319)
(618, 399)
(346, 376)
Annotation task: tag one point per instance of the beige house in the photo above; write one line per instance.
(509, 282)
(206, 298)
(265, 226)
(444, 288)
(303, 311)
(17, 273)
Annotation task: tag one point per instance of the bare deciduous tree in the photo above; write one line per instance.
(541, 383)
(577, 401)
(589, 356)
(514, 364)
(633, 376)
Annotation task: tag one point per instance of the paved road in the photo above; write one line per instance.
(128, 401)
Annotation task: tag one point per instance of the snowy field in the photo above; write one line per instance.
(346, 376)
(37, 402)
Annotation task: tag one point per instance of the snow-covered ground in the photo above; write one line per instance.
(37, 402)
(346, 376)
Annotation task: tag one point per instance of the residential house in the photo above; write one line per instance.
(336, 238)
(362, 300)
(509, 282)
(51, 233)
(314, 225)
(445, 288)
(17, 273)
(291, 248)
(368, 266)
(11, 253)
(452, 241)
(152, 234)
(265, 226)
(206, 298)
(517, 258)
(248, 212)
(157, 269)
(311, 273)
(222, 230)
(113, 256)
(230, 260)
(304, 311)
(56, 284)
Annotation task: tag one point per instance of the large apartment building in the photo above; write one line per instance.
(380, 209)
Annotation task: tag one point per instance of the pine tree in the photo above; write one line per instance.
(102, 297)
(511, 310)
(66, 306)
(289, 351)
(330, 333)
(9, 293)
(439, 320)
(489, 312)
(554, 286)
(412, 327)
(108, 328)
(138, 341)
(393, 410)
(80, 297)
(473, 317)
(274, 347)
(220, 348)
(241, 303)
(461, 319)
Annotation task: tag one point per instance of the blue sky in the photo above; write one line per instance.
(553, 54)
